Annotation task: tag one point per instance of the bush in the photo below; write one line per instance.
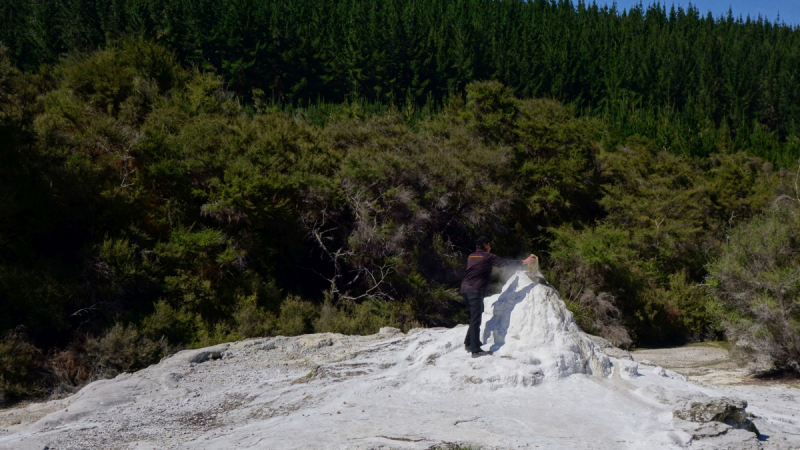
(123, 349)
(362, 318)
(665, 215)
(756, 282)
(582, 262)
(297, 317)
(68, 368)
(21, 365)
(696, 319)
(253, 320)
(176, 326)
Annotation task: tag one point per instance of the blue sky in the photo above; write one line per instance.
(789, 9)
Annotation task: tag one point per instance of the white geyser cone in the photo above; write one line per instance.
(529, 321)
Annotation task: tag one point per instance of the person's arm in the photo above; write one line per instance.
(500, 262)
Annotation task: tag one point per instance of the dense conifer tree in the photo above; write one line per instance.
(695, 84)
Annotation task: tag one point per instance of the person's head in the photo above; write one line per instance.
(483, 243)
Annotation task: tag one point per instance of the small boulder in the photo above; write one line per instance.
(389, 332)
(726, 410)
(207, 354)
(627, 369)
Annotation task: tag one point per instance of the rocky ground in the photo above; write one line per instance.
(774, 403)
(552, 388)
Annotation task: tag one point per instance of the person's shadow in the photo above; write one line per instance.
(497, 326)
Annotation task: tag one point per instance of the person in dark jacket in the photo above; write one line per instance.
(475, 286)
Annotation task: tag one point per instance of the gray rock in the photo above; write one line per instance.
(389, 332)
(725, 410)
(205, 355)
(710, 430)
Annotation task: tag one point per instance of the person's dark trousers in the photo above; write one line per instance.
(474, 302)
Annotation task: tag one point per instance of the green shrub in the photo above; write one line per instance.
(21, 368)
(756, 282)
(177, 326)
(297, 317)
(665, 215)
(253, 320)
(213, 333)
(694, 305)
(122, 349)
(366, 317)
(581, 264)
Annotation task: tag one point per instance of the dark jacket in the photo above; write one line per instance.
(479, 271)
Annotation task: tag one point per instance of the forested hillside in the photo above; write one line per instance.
(251, 169)
(694, 84)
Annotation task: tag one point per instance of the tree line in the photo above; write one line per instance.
(145, 209)
(156, 198)
(693, 83)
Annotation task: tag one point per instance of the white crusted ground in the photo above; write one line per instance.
(548, 386)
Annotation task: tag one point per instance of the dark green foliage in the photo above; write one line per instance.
(693, 84)
(144, 205)
(756, 283)
(20, 367)
(366, 317)
(297, 317)
(664, 216)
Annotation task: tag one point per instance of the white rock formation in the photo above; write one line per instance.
(628, 370)
(548, 386)
(529, 321)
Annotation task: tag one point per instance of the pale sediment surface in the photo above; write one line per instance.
(548, 386)
(774, 403)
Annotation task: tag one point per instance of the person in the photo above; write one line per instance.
(475, 286)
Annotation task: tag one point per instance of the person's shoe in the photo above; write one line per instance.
(466, 347)
(481, 353)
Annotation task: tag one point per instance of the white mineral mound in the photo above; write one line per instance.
(548, 386)
(529, 321)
